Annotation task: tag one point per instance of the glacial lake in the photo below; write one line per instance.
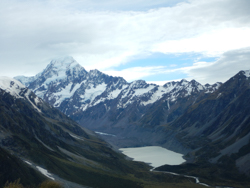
(154, 155)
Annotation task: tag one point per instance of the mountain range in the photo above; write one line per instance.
(208, 123)
(110, 104)
(40, 143)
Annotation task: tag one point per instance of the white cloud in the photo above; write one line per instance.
(33, 32)
(229, 64)
(210, 44)
(118, 5)
(136, 73)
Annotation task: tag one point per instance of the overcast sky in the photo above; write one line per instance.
(157, 41)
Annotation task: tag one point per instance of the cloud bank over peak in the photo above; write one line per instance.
(107, 34)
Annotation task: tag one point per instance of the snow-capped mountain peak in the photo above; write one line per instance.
(63, 61)
(62, 67)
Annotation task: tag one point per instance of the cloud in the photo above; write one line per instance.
(229, 64)
(118, 5)
(209, 44)
(34, 32)
(221, 70)
(136, 73)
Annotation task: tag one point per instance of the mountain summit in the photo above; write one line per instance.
(63, 68)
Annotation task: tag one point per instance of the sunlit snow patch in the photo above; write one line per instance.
(106, 134)
(45, 172)
(79, 138)
(28, 162)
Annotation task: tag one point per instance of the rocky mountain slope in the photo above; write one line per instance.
(217, 129)
(206, 122)
(39, 140)
(223, 119)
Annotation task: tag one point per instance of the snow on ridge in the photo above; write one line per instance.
(29, 163)
(11, 86)
(26, 80)
(247, 73)
(76, 137)
(65, 61)
(93, 92)
(141, 91)
(114, 94)
(137, 92)
(45, 172)
(171, 89)
(57, 69)
(212, 88)
(139, 87)
(14, 87)
(65, 93)
(156, 96)
(62, 95)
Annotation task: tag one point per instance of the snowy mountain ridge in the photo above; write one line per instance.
(11, 86)
(18, 90)
(65, 84)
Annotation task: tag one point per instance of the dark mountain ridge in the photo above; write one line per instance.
(224, 119)
(44, 138)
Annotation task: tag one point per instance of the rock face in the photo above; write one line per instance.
(182, 116)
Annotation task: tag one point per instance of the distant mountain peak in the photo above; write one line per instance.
(65, 60)
(62, 68)
(62, 64)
